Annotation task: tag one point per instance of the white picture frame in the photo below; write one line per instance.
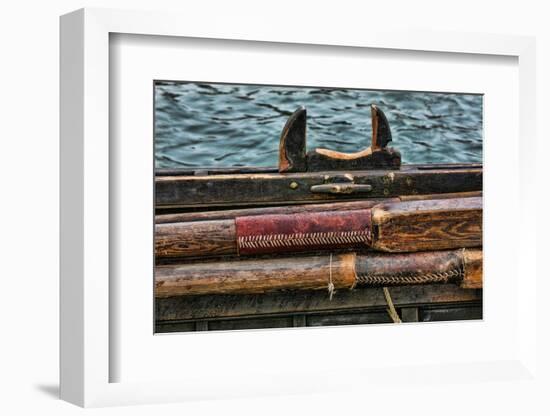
(86, 353)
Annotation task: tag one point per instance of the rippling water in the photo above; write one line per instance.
(207, 125)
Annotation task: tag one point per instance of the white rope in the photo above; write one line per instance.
(330, 284)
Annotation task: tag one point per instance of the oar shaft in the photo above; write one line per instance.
(391, 227)
(256, 276)
(339, 271)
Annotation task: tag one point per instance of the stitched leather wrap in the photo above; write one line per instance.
(382, 269)
(279, 233)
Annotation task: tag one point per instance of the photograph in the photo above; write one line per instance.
(304, 206)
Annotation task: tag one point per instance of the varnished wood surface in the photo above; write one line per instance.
(213, 238)
(255, 276)
(427, 225)
(295, 273)
(416, 225)
(473, 269)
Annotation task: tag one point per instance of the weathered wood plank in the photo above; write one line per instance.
(410, 314)
(166, 327)
(451, 313)
(427, 225)
(357, 318)
(293, 188)
(218, 306)
(201, 326)
(453, 195)
(443, 312)
(299, 320)
(251, 323)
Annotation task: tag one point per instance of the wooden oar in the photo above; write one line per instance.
(393, 227)
(330, 272)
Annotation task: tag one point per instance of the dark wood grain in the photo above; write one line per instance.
(357, 318)
(437, 312)
(206, 238)
(326, 160)
(251, 323)
(283, 210)
(427, 225)
(451, 313)
(295, 209)
(396, 227)
(454, 195)
(385, 269)
(410, 314)
(473, 269)
(255, 276)
(344, 271)
(295, 188)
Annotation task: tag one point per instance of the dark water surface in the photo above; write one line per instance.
(208, 125)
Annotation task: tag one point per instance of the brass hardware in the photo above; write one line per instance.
(341, 188)
(293, 185)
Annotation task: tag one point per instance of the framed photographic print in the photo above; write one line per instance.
(236, 208)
